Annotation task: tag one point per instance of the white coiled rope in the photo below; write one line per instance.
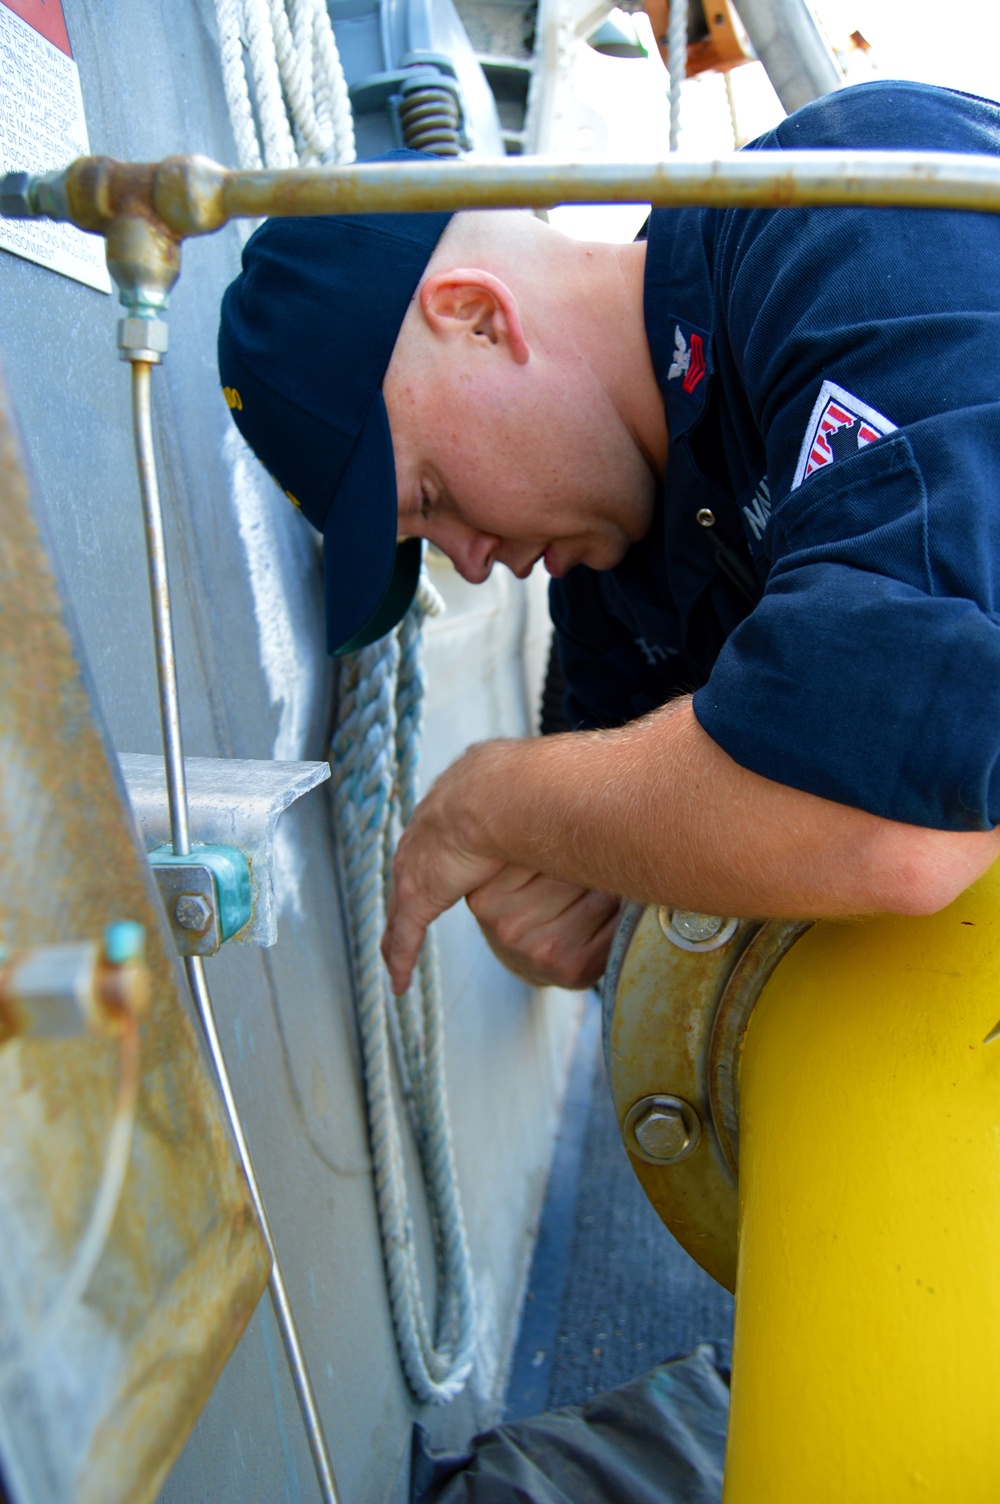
(677, 52)
(299, 112)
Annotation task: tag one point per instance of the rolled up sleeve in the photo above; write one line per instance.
(870, 672)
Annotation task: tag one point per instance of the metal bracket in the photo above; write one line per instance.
(232, 803)
(206, 895)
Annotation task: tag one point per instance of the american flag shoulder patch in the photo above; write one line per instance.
(840, 424)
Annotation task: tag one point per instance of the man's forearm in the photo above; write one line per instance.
(657, 811)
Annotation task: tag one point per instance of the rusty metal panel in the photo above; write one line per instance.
(660, 1002)
(97, 1408)
(675, 1013)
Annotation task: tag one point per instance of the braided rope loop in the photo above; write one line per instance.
(285, 87)
(374, 757)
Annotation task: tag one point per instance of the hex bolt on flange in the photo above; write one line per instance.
(192, 912)
(662, 1130)
(59, 991)
(696, 932)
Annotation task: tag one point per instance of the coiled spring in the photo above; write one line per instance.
(430, 118)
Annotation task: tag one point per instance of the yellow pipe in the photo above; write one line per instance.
(867, 1350)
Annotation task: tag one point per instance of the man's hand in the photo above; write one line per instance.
(438, 860)
(658, 812)
(550, 933)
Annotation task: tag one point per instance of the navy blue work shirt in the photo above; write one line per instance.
(831, 379)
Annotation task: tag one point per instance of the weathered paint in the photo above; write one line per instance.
(662, 1003)
(674, 1023)
(867, 1349)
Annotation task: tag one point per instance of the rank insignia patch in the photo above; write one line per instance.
(688, 361)
(839, 426)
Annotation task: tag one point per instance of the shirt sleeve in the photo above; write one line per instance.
(870, 671)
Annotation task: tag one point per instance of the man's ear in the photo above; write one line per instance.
(471, 301)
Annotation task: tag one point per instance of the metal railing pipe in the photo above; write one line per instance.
(798, 59)
(166, 671)
(192, 196)
(764, 179)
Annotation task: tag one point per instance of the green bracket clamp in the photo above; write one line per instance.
(206, 895)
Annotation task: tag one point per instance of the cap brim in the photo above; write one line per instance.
(368, 580)
(395, 602)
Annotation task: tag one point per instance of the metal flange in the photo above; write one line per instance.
(678, 993)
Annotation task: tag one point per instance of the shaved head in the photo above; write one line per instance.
(525, 417)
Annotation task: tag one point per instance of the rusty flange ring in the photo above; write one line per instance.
(674, 1019)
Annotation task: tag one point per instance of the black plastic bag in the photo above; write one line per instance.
(659, 1439)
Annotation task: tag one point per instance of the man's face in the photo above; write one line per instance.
(515, 464)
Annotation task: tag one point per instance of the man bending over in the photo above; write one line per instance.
(759, 453)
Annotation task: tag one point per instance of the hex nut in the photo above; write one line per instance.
(193, 913)
(143, 339)
(662, 1133)
(661, 1129)
(15, 201)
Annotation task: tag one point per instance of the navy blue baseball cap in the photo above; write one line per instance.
(306, 334)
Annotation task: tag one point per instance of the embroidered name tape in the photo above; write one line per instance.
(840, 424)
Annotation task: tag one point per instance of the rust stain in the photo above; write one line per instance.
(677, 1029)
(665, 1001)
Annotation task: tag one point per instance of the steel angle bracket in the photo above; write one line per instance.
(234, 806)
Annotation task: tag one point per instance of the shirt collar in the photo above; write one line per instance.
(677, 311)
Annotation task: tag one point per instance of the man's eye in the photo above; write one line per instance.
(426, 502)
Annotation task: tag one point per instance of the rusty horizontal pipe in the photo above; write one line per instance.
(755, 180)
(193, 196)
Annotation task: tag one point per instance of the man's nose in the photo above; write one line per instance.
(476, 556)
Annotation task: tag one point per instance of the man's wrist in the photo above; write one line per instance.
(468, 791)
(479, 797)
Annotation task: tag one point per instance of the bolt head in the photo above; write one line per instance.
(662, 1133)
(695, 927)
(193, 913)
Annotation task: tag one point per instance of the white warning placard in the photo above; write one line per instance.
(42, 126)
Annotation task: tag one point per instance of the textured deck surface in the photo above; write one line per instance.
(611, 1293)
